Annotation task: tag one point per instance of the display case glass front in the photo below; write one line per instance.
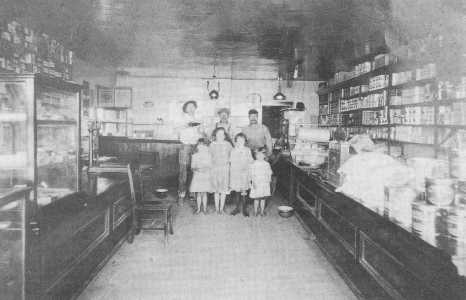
(16, 132)
(39, 135)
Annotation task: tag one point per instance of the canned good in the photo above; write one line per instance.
(440, 191)
(458, 164)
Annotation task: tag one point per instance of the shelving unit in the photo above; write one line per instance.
(112, 115)
(332, 115)
(39, 135)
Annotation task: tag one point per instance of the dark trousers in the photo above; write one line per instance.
(241, 203)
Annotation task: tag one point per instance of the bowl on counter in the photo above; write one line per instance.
(285, 211)
(161, 193)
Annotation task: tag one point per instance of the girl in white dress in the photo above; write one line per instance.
(201, 164)
(260, 177)
(240, 160)
(220, 150)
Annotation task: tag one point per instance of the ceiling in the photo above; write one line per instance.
(253, 36)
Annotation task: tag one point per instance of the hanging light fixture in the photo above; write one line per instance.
(214, 93)
(279, 96)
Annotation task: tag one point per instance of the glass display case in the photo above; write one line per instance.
(39, 135)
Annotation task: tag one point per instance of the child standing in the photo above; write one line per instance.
(220, 150)
(240, 160)
(201, 164)
(260, 177)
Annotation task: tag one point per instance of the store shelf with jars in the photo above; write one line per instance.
(406, 124)
(113, 109)
(39, 135)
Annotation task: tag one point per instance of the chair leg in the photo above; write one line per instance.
(165, 232)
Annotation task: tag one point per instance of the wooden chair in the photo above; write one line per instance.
(147, 164)
(148, 209)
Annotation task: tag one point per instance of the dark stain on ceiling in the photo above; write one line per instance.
(319, 34)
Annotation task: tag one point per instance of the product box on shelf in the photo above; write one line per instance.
(355, 90)
(378, 82)
(401, 77)
(364, 88)
(382, 60)
(23, 50)
(338, 153)
(426, 72)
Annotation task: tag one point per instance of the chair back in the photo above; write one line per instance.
(132, 183)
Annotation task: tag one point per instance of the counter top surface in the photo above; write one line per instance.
(80, 207)
(144, 140)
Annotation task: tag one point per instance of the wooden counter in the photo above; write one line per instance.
(379, 259)
(65, 242)
(165, 154)
(80, 232)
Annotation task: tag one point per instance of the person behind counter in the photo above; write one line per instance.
(258, 135)
(224, 121)
(190, 131)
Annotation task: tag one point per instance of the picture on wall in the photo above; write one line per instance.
(105, 97)
(123, 96)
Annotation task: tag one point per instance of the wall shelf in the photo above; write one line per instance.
(354, 80)
(414, 83)
(331, 96)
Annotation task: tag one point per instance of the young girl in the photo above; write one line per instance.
(260, 177)
(240, 160)
(201, 164)
(220, 150)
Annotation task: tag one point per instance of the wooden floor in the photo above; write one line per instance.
(221, 257)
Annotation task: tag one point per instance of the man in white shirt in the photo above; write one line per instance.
(190, 131)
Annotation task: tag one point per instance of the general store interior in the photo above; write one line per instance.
(361, 114)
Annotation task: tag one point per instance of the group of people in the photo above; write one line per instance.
(223, 166)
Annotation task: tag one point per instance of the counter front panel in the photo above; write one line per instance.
(406, 266)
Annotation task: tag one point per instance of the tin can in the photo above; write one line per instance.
(440, 191)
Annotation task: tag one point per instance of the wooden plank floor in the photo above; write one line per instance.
(221, 257)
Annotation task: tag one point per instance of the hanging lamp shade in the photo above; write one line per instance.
(279, 96)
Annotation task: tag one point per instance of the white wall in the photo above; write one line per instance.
(167, 95)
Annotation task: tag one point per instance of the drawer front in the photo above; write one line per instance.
(344, 231)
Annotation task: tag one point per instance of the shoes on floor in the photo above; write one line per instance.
(234, 212)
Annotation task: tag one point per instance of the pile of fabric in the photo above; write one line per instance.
(367, 174)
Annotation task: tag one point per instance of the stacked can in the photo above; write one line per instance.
(429, 222)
